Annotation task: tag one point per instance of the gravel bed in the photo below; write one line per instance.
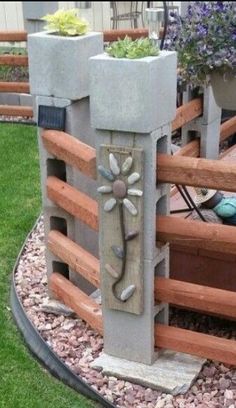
(16, 119)
(78, 345)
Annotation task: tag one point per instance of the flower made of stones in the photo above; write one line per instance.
(121, 189)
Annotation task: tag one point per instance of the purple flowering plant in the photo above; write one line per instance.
(205, 40)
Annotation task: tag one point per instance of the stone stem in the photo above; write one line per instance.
(124, 243)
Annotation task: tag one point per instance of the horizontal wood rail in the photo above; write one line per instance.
(215, 174)
(191, 149)
(198, 344)
(229, 153)
(227, 129)
(20, 87)
(73, 201)
(114, 35)
(197, 297)
(15, 60)
(85, 307)
(11, 110)
(13, 36)
(80, 155)
(76, 257)
(196, 234)
(71, 150)
(187, 112)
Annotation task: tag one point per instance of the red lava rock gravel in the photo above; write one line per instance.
(78, 345)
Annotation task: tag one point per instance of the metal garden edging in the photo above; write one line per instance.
(41, 350)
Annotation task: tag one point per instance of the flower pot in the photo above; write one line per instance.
(127, 94)
(224, 90)
(58, 66)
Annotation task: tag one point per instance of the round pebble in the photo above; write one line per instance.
(119, 189)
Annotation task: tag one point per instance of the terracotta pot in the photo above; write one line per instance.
(224, 90)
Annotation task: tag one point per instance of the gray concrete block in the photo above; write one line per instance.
(38, 9)
(82, 283)
(118, 342)
(50, 166)
(211, 110)
(78, 121)
(26, 100)
(78, 125)
(210, 139)
(9, 98)
(135, 341)
(149, 145)
(56, 218)
(50, 223)
(172, 373)
(59, 66)
(133, 95)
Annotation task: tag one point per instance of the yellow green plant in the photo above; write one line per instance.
(66, 23)
(127, 48)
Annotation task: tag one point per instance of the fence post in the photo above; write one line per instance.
(133, 122)
(207, 127)
(55, 69)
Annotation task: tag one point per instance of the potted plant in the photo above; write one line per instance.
(128, 84)
(205, 40)
(58, 58)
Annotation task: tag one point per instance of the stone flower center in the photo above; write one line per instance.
(119, 189)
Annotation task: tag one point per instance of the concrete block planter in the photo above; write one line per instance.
(118, 85)
(224, 91)
(59, 66)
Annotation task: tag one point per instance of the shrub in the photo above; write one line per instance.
(205, 40)
(66, 23)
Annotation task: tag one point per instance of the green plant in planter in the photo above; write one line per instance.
(127, 48)
(66, 23)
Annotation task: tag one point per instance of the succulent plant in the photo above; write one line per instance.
(127, 48)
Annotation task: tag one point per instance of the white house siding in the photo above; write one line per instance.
(99, 15)
(11, 15)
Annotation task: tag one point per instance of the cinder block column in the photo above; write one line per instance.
(210, 126)
(132, 105)
(58, 69)
(207, 127)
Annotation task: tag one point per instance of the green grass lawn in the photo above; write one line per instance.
(23, 382)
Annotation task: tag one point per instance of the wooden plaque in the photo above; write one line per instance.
(121, 227)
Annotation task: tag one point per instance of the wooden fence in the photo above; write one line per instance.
(176, 169)
(17, 87)
(181, 169)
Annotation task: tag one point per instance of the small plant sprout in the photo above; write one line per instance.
(66, 23)
(127, 48)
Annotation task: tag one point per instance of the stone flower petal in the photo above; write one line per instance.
(109, 204)
(135, 192)
(118, 251)
(104, 189)
(107, 174)
(112, 271)
(131, 235)
(126, 166)
(130, 206)
(114, 165)
(127, 292)
(133, 178)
